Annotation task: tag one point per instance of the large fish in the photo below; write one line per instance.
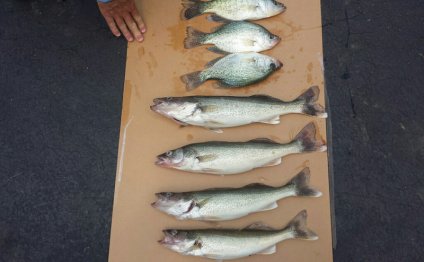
(234, 37)
(232, 203)
(234, 70)
(225, 158)
(215, 112)
(235, 10)
(224, 244)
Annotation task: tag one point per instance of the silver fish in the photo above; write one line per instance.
(226, 158)
(215, 112)
(228, 244)
(234, 70)
(232, 203)
(234, 37)
(235, 10)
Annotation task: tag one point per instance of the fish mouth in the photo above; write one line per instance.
(169, 238)
(162, 161)
(278, 65)
(277, 40)
(154, 108)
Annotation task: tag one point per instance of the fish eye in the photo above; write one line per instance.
(168, 98)
(169, 153)
(173, 232)
(273, 66)
(168, 194)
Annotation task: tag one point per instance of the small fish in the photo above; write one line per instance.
(225, 244)
(232, 10)
(226, 158)
(232, 203)
(234, 70)
(234, 37)
(215, 112)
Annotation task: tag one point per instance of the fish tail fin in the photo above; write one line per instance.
(192, 80)
(194, 38)
(310, 107)
(301, 184)
(307, 139)
(299, 229)
(192, 8)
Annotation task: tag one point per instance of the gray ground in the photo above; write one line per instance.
(61, 78)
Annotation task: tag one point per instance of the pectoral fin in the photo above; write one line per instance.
(206, 158)
(216, 130)
(274, 162)
(270, 250)
(211, 170)
(249, 42)
(273, 205)
(272, 121)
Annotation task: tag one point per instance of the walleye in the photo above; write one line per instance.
(215, 112)
(235, 10)
(234, 243)
(234, 37)
(234, 70)
(232, 203)
(226, 158)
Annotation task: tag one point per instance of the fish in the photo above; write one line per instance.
(216, 112)
(234, 70)
(232, 10)
(226, 244)
(234, 37)
(221, 204)
(227, 158)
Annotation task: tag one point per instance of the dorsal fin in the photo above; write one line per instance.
(262, 140)
(217, 50)
(259, 226)
(212, 62)
(266, 97)
(255, 185)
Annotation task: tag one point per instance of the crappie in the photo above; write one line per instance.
(232, 203)
(234, 37)
(227, 244)
(215, 112)
(235, 10)
(225, 158)
(234, 70)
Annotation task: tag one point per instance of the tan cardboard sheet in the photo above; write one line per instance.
(153, 70)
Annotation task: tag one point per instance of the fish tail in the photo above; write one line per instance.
(192, 8)
(299, 229)
(311, 107)
(301, 184)
(307, 139)
(194, 38)
(192, 80)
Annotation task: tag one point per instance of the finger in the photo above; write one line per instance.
(131, 24)
(123, 27)
(139, 21)
(112, 26)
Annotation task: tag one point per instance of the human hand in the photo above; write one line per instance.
(122, 17)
